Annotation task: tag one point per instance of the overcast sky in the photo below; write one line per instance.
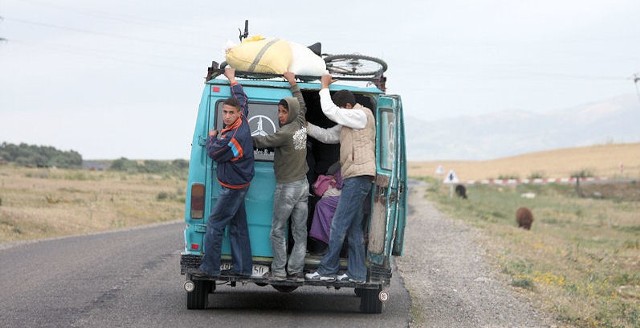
(119, 78)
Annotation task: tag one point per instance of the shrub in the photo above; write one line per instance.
(176, 167)
(39, 156)
(536, 175)
(584, 173)
(162, 195)
(508, 177)
(523, 283)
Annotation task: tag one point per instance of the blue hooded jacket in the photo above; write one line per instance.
(232, 148)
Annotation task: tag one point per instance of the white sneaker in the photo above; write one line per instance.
(317, 276)
(345, 277)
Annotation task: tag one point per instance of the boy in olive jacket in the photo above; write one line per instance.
(292, 189)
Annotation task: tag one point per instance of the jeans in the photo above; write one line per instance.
(347, 223)
(289, 200)
(229, 210)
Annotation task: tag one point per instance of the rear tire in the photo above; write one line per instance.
(198, 299)
(369, 301)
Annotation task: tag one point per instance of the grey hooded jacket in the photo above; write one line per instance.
(290, 142)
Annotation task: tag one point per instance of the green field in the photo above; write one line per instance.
(581, 259)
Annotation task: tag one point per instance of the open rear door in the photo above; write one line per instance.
(401, 176)
(386, 230)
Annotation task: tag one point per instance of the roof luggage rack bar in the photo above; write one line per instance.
(214, 71)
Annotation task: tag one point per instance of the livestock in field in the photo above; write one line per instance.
(461, 191)
(524, 217)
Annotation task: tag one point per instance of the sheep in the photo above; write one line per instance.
(524, 217)
(461, 191)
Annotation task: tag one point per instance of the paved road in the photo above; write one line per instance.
(132, 279)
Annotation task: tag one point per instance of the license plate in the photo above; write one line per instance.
(258, 270)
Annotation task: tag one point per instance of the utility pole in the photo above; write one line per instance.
(636, 79)
(1, 38)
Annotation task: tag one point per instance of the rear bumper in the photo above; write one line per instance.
(377, 276)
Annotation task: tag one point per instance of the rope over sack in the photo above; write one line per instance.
(274, 56)
(260, 55)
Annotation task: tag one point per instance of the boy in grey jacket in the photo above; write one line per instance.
(292, 189)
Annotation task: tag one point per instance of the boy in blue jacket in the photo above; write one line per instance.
(232, 149)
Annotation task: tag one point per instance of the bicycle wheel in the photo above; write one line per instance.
(354, 64)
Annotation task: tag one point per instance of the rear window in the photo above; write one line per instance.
(263, 119)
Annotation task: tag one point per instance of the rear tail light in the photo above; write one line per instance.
(197, 201)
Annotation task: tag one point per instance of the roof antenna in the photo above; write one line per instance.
(246, 30)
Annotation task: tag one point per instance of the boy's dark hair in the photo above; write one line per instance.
(284, 104)
(232, 102)
(343, 97)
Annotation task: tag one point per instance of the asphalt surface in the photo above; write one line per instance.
(132, 279)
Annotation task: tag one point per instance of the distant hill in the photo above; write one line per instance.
(611, 161)
(509, 133)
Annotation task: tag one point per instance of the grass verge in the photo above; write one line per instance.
(40, 203)
(580, 260)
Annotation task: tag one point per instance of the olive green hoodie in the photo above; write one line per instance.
(290, 142)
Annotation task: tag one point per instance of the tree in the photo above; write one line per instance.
(39, 156)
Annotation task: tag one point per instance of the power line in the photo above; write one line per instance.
(70, 48)
(99, 14)
(125, 37)
(95, 53)
(1, 38)
(123, 18)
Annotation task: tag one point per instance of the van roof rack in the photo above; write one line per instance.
(216, 70)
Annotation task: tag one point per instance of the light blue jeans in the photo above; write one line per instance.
(347, 223)
(289, 200)
(229, 210)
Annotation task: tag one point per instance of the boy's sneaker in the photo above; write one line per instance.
(272, 277)
(345, 277)
(317, 276)
(297, 277)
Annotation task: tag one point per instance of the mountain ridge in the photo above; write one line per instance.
(512, 132)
